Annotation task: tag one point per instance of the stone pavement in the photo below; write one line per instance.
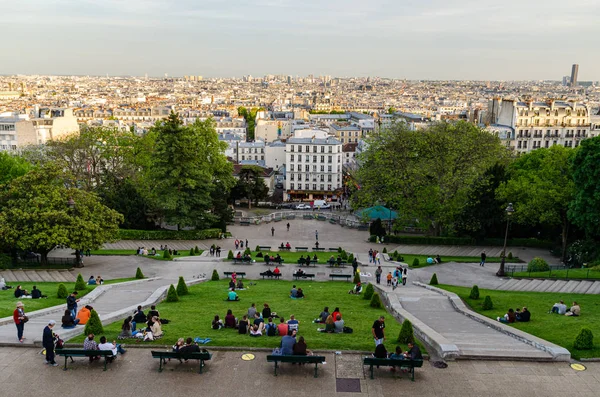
(136, 373)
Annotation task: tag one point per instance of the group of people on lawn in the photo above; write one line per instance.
(513, 316)
(561, 308)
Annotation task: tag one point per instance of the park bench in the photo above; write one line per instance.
(264, 274)
(297, 360)
(346, 276)
(318, 249)
(391, 362)
(285, 248)
(70, 353)
(305, 275)
(312, 261)
(239, 274)
(336, 264)
(242, 261)
(265, 247)
(164, 355)
(278, 261)
(244, 223)
(301, 249)
(332, 249)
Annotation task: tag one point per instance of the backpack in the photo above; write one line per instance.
(348, 330)
(271, 329)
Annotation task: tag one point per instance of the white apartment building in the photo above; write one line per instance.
(526, 126)
(275, 155)
(271, 130)
(313, 166)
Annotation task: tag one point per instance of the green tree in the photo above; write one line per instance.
(230, 254)
(487, 303)
(250, 117)
(172, 295)
(138, 274)
(93, 325)
(474, 292)
(167, 254)
(80, 284)
(188, 165)
(62, 292)
(356, 279)
(12, 166)
(585, 168)
(407, 334)
(43, 209)
(375, 301)
(250, 185)
(540, 186)
(182, 288)
(215, 275)
(584, 340)
(369, 291)
(434, 280)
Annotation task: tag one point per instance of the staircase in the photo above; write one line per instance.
(559, 286)
(37, 276)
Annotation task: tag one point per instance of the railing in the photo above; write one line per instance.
(555, 272)
(348, 221)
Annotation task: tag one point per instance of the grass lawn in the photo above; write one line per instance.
(560, 330)
(193, 314)
(459, 259)
(570, 273)
(132, 252)
(8, 300)
(290, 257)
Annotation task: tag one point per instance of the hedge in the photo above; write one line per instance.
(129, 234)
(427, 240)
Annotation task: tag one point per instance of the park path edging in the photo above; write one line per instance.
(558, 353)
(431, 338)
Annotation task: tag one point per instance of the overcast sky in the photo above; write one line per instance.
(417, 39)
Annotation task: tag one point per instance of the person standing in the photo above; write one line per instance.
(354, 265)
(370, 255)
(404, 276)
(72, 303)
(317, 235)
(378, 331)
(19, 319)
(483, 258)
(48, 343)
(272, 231)
(247, 243)
(288, 227)
(378, 274)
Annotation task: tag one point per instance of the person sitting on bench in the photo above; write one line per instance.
(331, 261)
(90, 344)
(114, 347)
(281, 246)
(301, 261)
(315, 259)
(287, 245)
(233, 296)
(277, 259)
(239, 255)
(380, 351)
(287, 343)
(269, 273)
(414, 353)
(276, 271)
(299, 273)
(190, 347)
(300, 349)
(267, 259)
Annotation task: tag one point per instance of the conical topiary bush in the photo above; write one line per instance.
(182, 288)
(62, 292)
(406, 333)
(487, 303)
(474, 292)
(584, 340)
(356, 278)
(172, 295)
(434, 280)
(93, 325)
(192, 253)
(215, 275)
(196, 250)
(166, 254)
(230, 254)
(416, 262)
(375, 301)
(80, 284)
(138, 274)
(369, 291)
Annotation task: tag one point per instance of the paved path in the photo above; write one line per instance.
(23, 369)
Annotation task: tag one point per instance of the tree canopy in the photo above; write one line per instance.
(250, 185)
(11, 167)
(584, 210)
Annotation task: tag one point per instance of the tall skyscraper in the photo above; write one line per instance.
(574, 71)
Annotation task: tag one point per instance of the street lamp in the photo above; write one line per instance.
(509, 211)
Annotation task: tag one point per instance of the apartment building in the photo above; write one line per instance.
(313, 166)
(529, 125)
(346, 133)
(271, 130)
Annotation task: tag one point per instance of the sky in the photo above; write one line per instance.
(416, 39)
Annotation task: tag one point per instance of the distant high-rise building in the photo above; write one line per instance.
(574, 71)
(565, 81)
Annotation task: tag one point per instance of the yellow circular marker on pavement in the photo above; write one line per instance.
(248, 357)
(578, 367)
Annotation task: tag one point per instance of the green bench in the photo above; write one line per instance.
(265, 247)
(70, 353)
(239, 274)
(346, 276)
(163, 356)
(336, 264)
(318, 249)
(312, 261)
(242, 260)
(391, 362)
(301, 249)
(265, 274)
(296, 359)
(332, 249)
(305, 275)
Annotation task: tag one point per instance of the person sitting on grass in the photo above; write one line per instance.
(217, 323)
(255, 331)
(300, 294)
(91, 281)
(233, 296)
(574, 311)
(3, 285)
(138, 317)
(338, 325)
(414, 353)
(430, 260)
(323, 316)
(259, 321)
(156, 328)
(356, 290)
(231, 285)
(335, 313)
(67, 320)
(380, 351)
(21, 293)
(37, 294)
(99, 280)
(276, 271)
(509, 317)
(559, 308)
(438, 259)
(299, 348)
(252, 311)
(329, 325)
(126, 329)
(294, 291)
(282, 328)
(266, 312)
(230, 320)
(270, 328)
(525, 315)
(293, 323)
(243, 326)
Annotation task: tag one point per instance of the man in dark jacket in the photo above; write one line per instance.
(72, 304)
(413, 353)
(48, 343)
(525, 315)
(138, 318)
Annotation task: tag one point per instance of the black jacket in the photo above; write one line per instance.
(48, 339)
(71, 302)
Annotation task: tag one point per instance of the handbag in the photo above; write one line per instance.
(24, 319)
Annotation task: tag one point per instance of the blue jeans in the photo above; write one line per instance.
(20, 328)
(120, 349)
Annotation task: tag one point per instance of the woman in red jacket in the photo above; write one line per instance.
(18, 316)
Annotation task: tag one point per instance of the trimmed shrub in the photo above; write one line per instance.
(510, 255)
(260, 255)
(584, 340)
(172, 295)
(375, 301)
(356, 278)
(416, 262)
(196, 250)
(350, 258)
(215, 275)
(406, 333)
(384, 250)
(230, 254)
(344, 256)
(369, 291)
(182, 288)
(138, 274)
(257, 249)
(93, 325)
(474, 292)
(538, 265)
(166, 254)
(340, 250)
(192, 252)
(434, 280)
(247, 251)
(62, 292)
(487, 303)
(129, 234)
(80, 284)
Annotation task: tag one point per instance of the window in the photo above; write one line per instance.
(322, 187)
(322, 149)
(329, 178)
(314, 168)
(322, 159)
(291, 157)
(322, 178)
(328, 187)
(314, 149)
(299, 158)
(547, 143)
(314, 159)
(299, 186)
(307, 148)
(524, 144)
(328, 168)
(291, 177)
(329, 159)
(314, 186)
(243, 157)
(299, 149)
(299, 177)
(292, 148)
(262, 157)
(322, 168)
(291, 186)
(342, 133)
(307, 167)
(330, 149)
(307, 158)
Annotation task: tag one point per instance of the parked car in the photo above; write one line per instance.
(324, 207)
(303, 207)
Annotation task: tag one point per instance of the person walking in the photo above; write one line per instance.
(378, 331)
(247, 243)
(48, 343)
(404, 276)
(378, 274)
(272, 231)
(317, 235)
(370, 255)
(288, 227)
(354, 265)
(483, 258)
(19, 318)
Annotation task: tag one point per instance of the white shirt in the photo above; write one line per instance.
(108, 346)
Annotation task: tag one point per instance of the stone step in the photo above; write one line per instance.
(505, 286)
(67, 276)
(519, 285)
(583, 287)
(543, 287)
(532, 285)
(595, 288)
(33, 276)
(570, 286)
(20, 275)
(56, 276)
(557, 286)
(45, 276)
(8, 275)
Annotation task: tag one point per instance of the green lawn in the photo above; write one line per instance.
(560, 330)
(132, 252)
(408, 258)
(291, 257)
(192, 316)
(566, 274)
(8, 300)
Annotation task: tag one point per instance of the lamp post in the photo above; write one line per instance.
(71, 205)
(509, 211)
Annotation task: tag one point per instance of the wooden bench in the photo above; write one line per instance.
(296, 359)
(392, 362)
(242, 261)
(164, 355)
(318, 249)
(301, 249)
(239, 274)
(83, 353)
(332, 249)
(285, 248)
(312, 261)
(336, 264)
(346, 276)
(305, 275)
(264, 274)
(265, 247)
(278, 261)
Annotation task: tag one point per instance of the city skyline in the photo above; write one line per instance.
(431, 40)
